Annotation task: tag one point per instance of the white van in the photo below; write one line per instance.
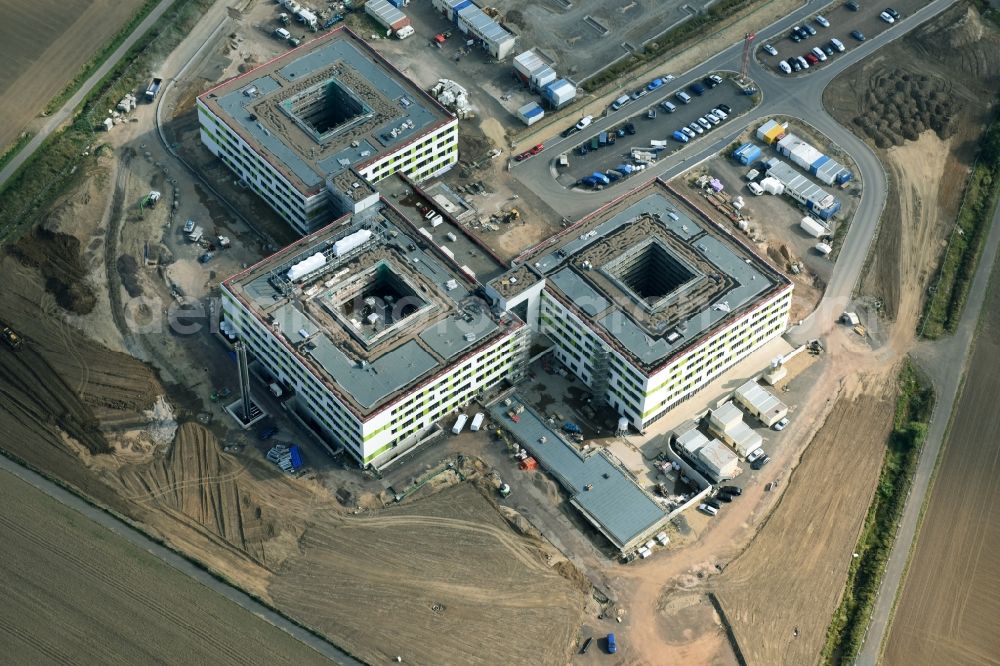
(668, 106)
(683, 97)
(755, 188)
(404, 32)
(620, 102)
(281, 33)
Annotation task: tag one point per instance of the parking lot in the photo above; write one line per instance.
(585, 35)
(843, 21)
(659, 128)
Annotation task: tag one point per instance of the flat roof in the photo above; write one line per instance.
(597, 484)
(652, 275)
(329, 105)
(380, 313)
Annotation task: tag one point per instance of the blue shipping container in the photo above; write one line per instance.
(820, 161)
(747, 153)
(296, 456)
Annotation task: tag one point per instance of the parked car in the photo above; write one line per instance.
(704, 123)
(818, 52)
(756, 189)
(732, 490)
(680, 136)
(822, 21)
(858, 35)
(780, 425)
(887, 17)
(714, 504)
(803, 62)
(698, 129)
(712, 118)
(682, 97)
(629, 128)
(725, 497)
(770, 50)
(697, 88)
(794, 35)
(893, 13)
(719, 113)
(710, 510)
(853, 5)
(796, 67)
(808, 28)
(811, 58)
(639, 93)
(620, 102)
(785, 67)
(612, 644)
(760, 462)
(726, 108)
(838, 45)
(669, 107)
(689, 132)
(755, 454)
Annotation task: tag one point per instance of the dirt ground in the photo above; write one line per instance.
(764, 597)
(469, 589)
(959, 52)
(948, 606)
(57, 567)
(45, 43)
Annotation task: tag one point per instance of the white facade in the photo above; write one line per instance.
(424, 156)
(390, 430)
(644, 398)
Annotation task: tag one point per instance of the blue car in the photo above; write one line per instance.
(612, 644)
(697, 89)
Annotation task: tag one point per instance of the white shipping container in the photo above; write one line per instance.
(477, 422)
(813, 227)
(459, 424)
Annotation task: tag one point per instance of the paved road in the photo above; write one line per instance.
(137, 538)
(945, 361)
(56, 120)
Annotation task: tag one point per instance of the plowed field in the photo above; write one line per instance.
(43, 45)
(74, 593)
(947, 613)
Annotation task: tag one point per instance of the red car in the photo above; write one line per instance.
(812, 59)
(529, 153)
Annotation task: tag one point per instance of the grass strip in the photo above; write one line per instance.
(850, 621)
(944, 305)
(62, 160)
(101, 57)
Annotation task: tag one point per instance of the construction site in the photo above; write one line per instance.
(306, 319)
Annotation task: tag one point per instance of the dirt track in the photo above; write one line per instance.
(443, 580)
(947, 610)
(44, 44)
(102, 600)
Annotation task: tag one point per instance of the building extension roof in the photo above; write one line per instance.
(329, 105)
(598, 486)
(652, 276)
(761, 400)
(369, 307)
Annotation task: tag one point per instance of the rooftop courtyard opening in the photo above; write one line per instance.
(651, 271)
(326, 109)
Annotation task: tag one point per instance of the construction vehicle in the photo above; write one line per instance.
(13, 340)
(153, 88)
(149, 201)
(511, 216)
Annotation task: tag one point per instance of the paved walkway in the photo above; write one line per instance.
(56, 120)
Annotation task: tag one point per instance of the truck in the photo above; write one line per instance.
(153, 88)
(459, 424)
(10, 337)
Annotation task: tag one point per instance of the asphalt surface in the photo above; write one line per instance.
(56, 120)
(137, 538)
(800, 97)
(660, 128)
(945, 361)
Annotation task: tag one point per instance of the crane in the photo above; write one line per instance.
(745, 65)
